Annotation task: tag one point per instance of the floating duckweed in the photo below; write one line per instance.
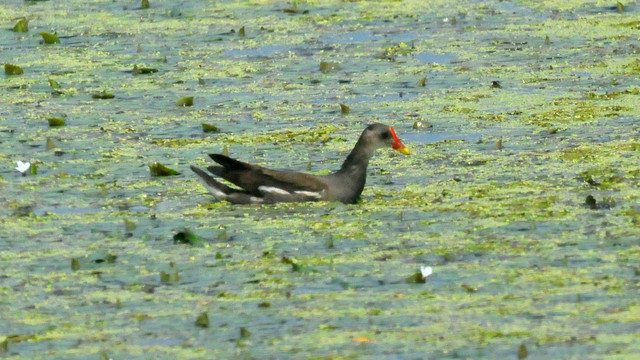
(327, 67)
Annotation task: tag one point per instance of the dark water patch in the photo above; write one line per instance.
(362, 98)
(430, 138)
(436, 58)
(263, 51)
(350, 38)
(66, 211)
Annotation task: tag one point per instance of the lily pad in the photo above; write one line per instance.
(185, 101)
(11, 69)
(50, 145)
(241, 32)
(103, 95)
(56, 121)
(144, 4)
(54, 84)
(468, 288)
(203, 320)
(143, 70)
(522, 352)
(166, 277)
(186, 236)
(158, 169)
(209, 128)
(327, 67)
(22, 25)
(129, 225)
(416, 278)
(344, 109)
(50, 38)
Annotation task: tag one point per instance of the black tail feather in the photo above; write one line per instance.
(214, 186)
(229, 163)
(224, 192)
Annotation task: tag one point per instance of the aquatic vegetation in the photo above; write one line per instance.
(103, 95)
(56, 121)
(185, 101)
(210, 128)
(50, 38)
(158, 169)
(143, 70)
(10, 69)
(22, 25)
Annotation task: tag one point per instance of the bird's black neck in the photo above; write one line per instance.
(356, 163)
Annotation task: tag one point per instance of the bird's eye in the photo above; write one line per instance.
(385, 135)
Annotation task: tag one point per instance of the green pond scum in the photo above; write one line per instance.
(522, 191)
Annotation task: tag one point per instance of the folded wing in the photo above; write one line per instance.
(261, 181)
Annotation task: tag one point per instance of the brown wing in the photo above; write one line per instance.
(250, 177)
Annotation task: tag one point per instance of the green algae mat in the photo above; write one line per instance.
(522, 190)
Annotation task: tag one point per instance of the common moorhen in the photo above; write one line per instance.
(265, 186)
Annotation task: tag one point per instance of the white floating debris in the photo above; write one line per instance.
(23, 167)
(426, 271)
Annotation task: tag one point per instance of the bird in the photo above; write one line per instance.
(260, 185)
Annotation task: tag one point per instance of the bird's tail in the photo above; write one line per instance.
(218, 189)
(223, 192)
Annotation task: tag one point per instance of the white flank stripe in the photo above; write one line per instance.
(272, 189)
(216, 192)
(309, 193)
(256, 200)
